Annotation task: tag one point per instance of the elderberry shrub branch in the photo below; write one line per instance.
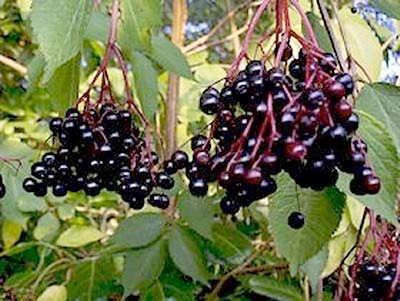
(100, 145)
(375, 273)
(294, 117)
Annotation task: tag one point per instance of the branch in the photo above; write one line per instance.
(202, 40)
(6, 61)
(331, 34)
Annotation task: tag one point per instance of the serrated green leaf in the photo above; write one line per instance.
(10, 233)
(315, 266)
(91, 280)
(63, 85)
(54, 293)
(170, 57)
(143, 267)
(320, 32)
(381, 101)
(153, 293)
(322, 211)
(272, 288)
(383, 156)
(59, 27)
(232, 245)
(146, 83)
(139, 230)
(138, 17)
(98, 27)
(78, 236)
(187, 255)
(47, 227)
(389, 7)
(198, 213)
(366, 50)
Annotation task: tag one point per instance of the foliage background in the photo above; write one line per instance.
(69, 248)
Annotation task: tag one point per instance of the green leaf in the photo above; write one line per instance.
(389, 7)
(78, 236)
(66, 211)
(146, 83)
(272, 288)
(138, 17)
(91, 280)
(143, 267)
(98, 27)
(175, 286)
(15, 195)
(320, 32)
(338, 247)
(153, 293)
(54, 293)
(170, 57)
(10, 233)
(63, 86)
(59, 27)
(35, 71)
(21, 279)
(381, 101)
(187, 255)
(139, 230)
(322, 211)
(314, 267)
(384, 158)
(19, 248)
(198, 213)
(47, 227)
(232, 245)
(362, 42)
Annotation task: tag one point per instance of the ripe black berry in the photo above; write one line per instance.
(296, 220)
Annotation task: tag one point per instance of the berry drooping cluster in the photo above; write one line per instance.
(295, 118)
(375, 273)
(102, 149)
(374, 281)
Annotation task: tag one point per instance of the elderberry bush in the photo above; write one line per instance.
(297, 119)
(103, 149)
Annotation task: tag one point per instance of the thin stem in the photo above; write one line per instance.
(331, 34)
(6, 61)
(178, 29)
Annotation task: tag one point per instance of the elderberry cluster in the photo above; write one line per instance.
(374, 282)
(295, 118)
(102, 149)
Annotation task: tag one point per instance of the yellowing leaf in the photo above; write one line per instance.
(11, 233)
(78, 236)
(54, 293)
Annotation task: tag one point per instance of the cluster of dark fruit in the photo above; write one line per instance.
(102, 149)
(295, 119)
(2, 188)
(374, 282)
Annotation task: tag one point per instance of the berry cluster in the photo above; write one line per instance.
(374, 281)
(295, 118)
(102, 148)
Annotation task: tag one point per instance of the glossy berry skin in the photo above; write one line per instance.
(29, 184)
(296, 220)
(180, 158)
(198, 187)
(170, 167)
(347, 81)
(165, 181)
(209, 101)
(159, 200)
(55, 125)
(200, 141)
